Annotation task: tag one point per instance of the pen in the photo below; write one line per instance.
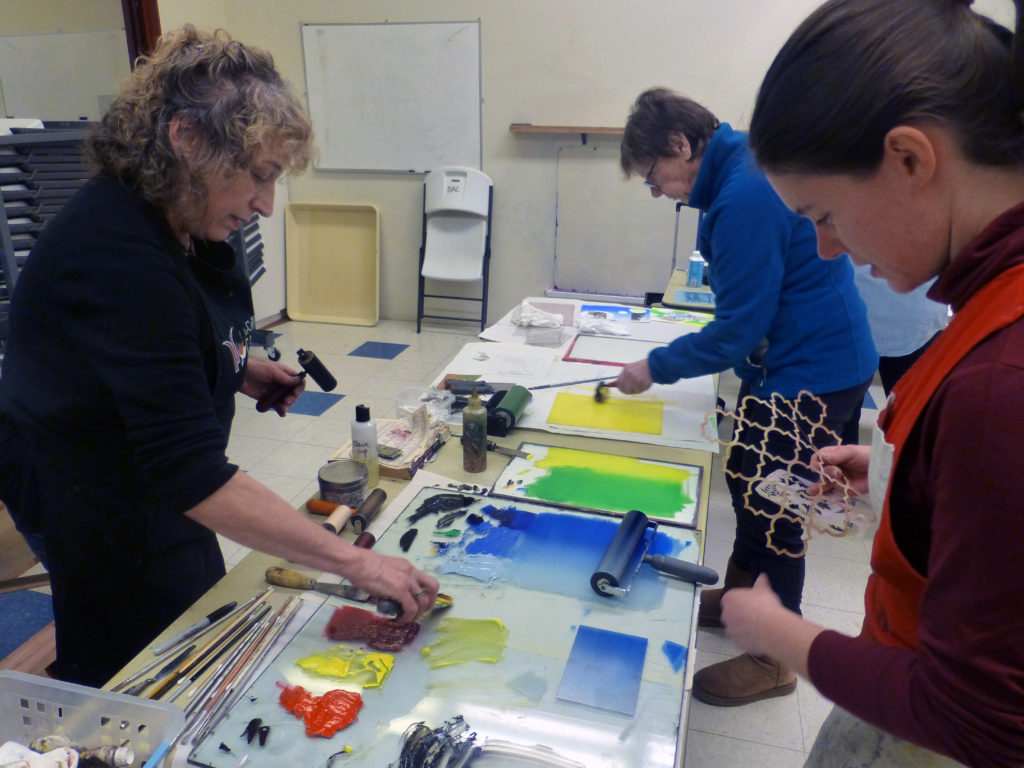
(199, 626)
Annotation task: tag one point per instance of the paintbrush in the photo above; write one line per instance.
(138, 688)
(249, 628)
(153, 664)
(567, 383)
(218, 704)
(199, 656)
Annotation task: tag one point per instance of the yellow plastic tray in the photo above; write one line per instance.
(332, 256)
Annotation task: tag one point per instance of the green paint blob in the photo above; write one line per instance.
(463, 640)
(614, 483)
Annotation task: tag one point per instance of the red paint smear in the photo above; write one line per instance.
(349, 623)
(324, 715)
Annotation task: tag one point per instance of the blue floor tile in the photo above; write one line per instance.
(314, 403)
(380, 349)
(22, 614)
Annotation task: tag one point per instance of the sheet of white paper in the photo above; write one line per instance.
(505, 331)
(515, 363)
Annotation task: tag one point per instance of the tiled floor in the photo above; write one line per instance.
(285, 454)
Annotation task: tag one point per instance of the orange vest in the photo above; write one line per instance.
(894, 588)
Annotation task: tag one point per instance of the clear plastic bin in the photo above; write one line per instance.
(544, 337)
(32, 706)
(438, 402)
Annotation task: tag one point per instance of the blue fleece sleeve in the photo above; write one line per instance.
(747, 237)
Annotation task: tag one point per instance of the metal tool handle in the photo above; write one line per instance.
(285, 577)
(691, 572)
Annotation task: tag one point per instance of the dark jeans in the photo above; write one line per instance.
(750, 551)
(890, 369)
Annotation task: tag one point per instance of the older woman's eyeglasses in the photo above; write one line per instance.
(647, 177)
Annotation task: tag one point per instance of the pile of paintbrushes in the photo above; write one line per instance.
(212, 676)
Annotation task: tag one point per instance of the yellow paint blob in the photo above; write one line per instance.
(343, 663)
(615, 413)
(463, 640)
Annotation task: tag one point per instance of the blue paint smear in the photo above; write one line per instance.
(675, 653)
(552, 552)
(479, 567)
(500, 542)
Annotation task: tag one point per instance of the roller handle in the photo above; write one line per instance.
(274, 396)
(286, 577)
(691, 572)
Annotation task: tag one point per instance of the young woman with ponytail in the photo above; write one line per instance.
(895, 127)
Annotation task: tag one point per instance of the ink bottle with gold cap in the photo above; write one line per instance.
(474, 435)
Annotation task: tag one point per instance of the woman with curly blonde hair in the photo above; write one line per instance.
(128, 343)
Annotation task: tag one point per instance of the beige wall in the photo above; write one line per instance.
(43, 17)
(205, 14)
(576, 62)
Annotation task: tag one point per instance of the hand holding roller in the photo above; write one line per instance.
(310, 364)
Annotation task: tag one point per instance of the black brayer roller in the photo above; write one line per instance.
(310, 364)
(628, 551)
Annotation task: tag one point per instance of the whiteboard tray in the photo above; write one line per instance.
(333, 263)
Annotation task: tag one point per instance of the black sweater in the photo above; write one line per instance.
(119, 379)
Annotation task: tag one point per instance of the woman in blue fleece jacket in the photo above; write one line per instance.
(785, 322)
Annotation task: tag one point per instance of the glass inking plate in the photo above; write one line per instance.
(519, 575)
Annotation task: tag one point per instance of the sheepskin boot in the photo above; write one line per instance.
(710, 613)
(742, 680)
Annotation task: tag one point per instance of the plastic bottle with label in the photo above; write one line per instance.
(695, 277)
(364, 445)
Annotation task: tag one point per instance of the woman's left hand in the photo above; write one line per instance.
(263, 378)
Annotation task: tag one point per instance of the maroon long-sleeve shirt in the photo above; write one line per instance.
(957, 510)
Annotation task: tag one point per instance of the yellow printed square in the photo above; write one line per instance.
(615, 413)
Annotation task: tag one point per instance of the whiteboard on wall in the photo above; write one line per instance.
(610, 236)
(394, 96)
(69, 76)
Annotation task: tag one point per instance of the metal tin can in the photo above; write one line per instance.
(343, 482)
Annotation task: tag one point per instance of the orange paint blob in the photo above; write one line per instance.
(324, 715)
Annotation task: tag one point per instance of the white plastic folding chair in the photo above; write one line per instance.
(456, 236)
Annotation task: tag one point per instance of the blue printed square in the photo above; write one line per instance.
(314, 403)
(382, 350)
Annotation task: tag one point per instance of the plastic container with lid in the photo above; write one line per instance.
(438, 403)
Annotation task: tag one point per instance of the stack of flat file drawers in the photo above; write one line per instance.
(39, 170)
